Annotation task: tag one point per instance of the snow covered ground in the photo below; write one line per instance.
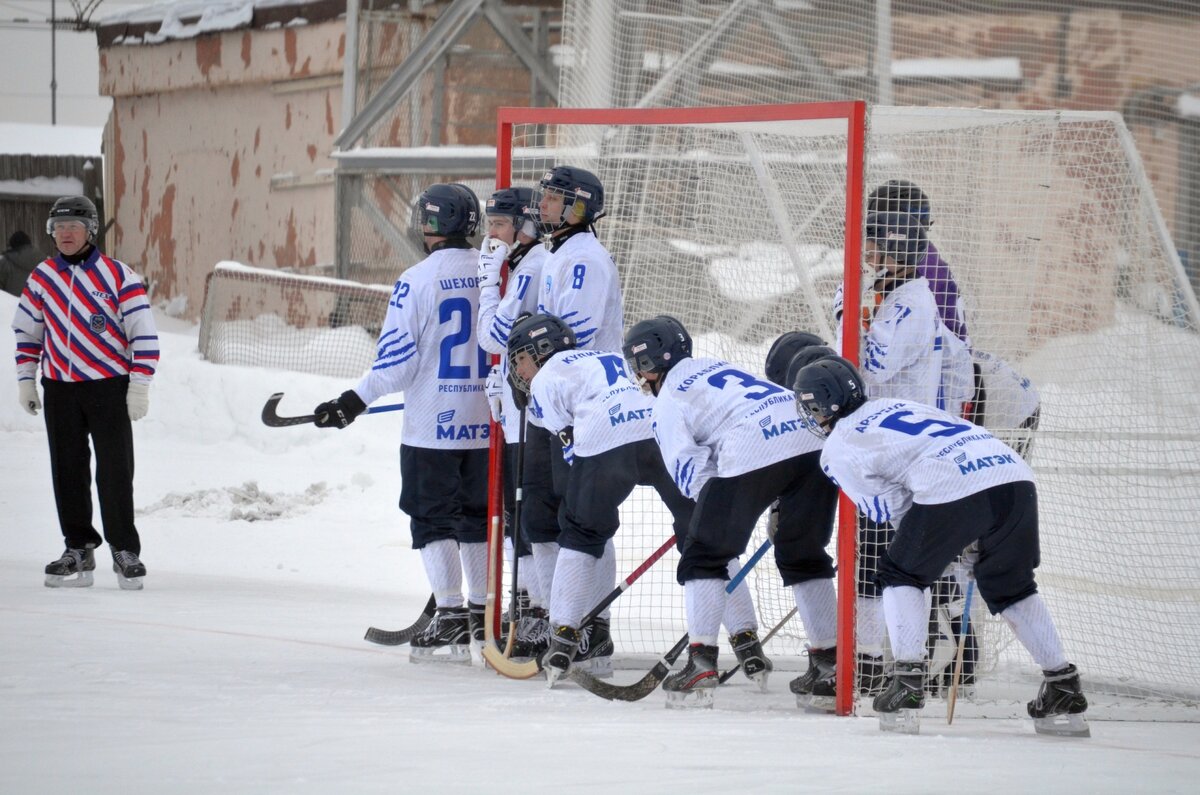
(241, 666)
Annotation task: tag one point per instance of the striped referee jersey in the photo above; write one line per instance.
(85, 322)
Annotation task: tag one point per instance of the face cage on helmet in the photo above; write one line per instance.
(814, 420)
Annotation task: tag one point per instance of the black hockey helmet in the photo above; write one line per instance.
(901, 196)
(803, 358)
(450, 210)
(782, 351)
(74, 208)
(826, 391)
(898, 235)
(656, 345)
(539, 336)
(583, 196)
(513, 202)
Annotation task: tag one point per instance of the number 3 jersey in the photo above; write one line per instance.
(427, 349)
(591, 392)
(891, 453)
(713, 420)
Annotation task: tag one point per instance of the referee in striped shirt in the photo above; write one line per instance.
(84, 318)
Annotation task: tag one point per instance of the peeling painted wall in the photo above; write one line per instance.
(199, 128)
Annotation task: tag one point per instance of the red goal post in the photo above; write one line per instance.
(552, 128)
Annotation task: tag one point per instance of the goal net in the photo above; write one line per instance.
(741, 221)
(266, 318)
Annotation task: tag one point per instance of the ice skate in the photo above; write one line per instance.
(129, 569)
(533, 635)
(595, 650)
(447, 639)
(73, 570)
(899, 705)
(564, 644)
(693, 686)
(816, 688)
(756, 665)
(1060, 705)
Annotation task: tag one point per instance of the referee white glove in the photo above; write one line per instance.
(27, 391)
(137, 400)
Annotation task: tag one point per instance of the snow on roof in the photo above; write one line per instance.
(49, 139)
(185, 19)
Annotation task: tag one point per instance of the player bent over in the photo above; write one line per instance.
(427, 349)
(731, 442)
(946, 483)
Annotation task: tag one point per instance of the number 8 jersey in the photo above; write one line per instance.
(427, 349)
(891, 453)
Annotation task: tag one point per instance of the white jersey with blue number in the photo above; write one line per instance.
(591, 392)
(427, 350)
(908, 352)
(498, 314)
(581, 286)
(712, 419)
(891, 453)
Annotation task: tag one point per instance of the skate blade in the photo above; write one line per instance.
(905, 721)
(81, 580)
(759, 679)
(459, 653)
(129, 583)
(553, 675)
(816, 705)
(700, 698)
(1063, 726)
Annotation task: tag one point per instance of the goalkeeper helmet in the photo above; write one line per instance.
(538, 337)
(901, 196)
(782, 351)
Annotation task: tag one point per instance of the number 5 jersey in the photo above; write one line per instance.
(891, 453)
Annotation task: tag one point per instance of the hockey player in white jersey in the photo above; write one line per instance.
(427, 350)
(579, 284)
(944, 483)
(731, 442)
(512, 244)
(604, 421)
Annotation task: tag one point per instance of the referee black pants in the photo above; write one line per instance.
(95, 411)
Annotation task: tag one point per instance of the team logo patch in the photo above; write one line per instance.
(445, 416)
(615, 409)
(96, 323)
(764, 423)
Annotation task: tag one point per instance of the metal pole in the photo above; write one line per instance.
(53, 64)
(350, 65)
(883, 51)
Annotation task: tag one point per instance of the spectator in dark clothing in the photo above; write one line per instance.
(17, 262)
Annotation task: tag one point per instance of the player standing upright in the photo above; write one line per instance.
(731, 443)
(427, 349)
(512, 242)
(579, 284)
(85, 319)
(945, 483)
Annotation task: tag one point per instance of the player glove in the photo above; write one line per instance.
(137, 400)
(27, 392)
(490, 262)
(339, 412)
(494, 386)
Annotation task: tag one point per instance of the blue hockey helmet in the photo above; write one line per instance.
(449, 210)
(583, 196)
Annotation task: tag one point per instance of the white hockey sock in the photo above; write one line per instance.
(605, 579)
(705, 606)
(1033, 626)
(869, 618)
(444, 571)
(574, 579)
(816, 602)
(545, 556)
(906, 610)
(528, 579)
(474, 563)
(739, 605)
